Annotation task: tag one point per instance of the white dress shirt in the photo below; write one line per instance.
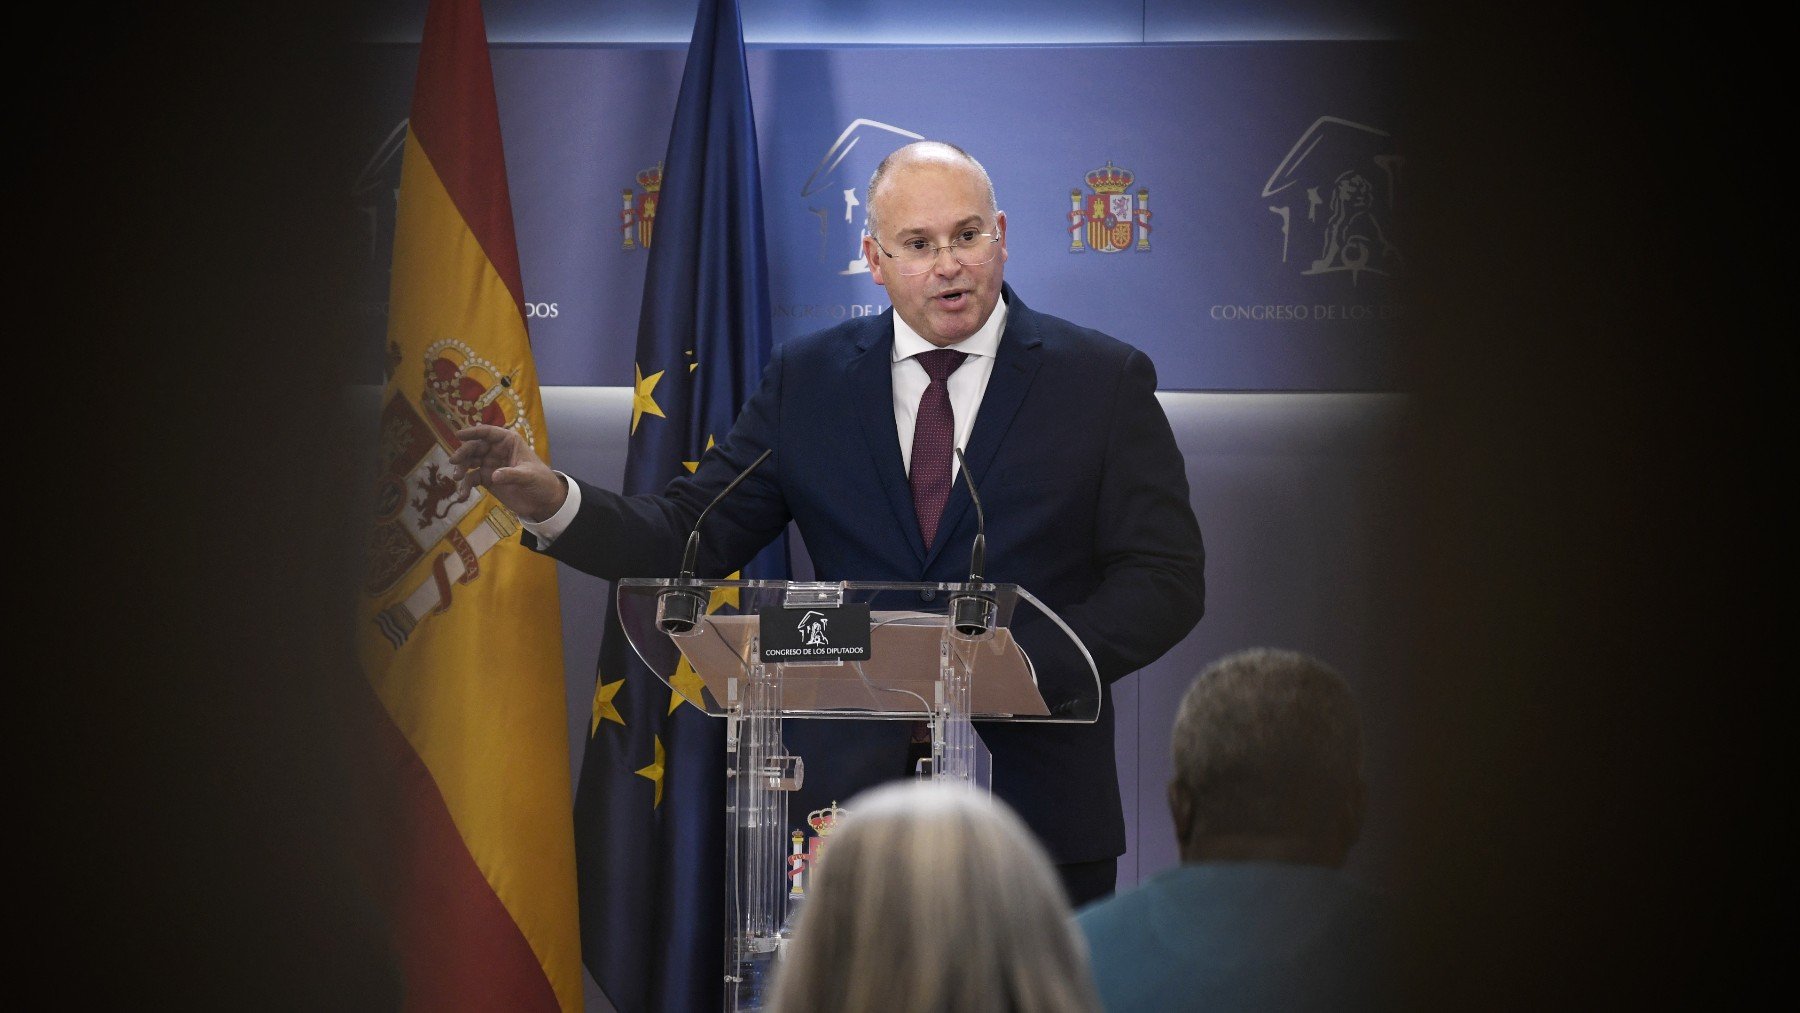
(966, 387)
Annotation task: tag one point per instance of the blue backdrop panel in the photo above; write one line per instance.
(1234, 209)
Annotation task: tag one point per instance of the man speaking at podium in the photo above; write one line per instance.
(1084, 490)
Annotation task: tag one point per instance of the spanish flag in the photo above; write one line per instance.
(460, 629)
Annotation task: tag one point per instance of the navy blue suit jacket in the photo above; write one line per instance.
(1086, 501)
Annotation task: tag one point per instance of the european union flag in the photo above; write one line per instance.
(650, 806)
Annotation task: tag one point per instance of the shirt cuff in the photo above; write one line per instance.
(548, 529)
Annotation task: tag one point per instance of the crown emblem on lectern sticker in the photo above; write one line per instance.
(824, 821)
(805, 854)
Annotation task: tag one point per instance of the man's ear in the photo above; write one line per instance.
(872, 256)
(1181, 810)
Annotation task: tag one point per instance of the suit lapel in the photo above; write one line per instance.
(1015, 364)
(871, 388)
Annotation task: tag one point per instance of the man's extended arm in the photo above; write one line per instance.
(616, 536)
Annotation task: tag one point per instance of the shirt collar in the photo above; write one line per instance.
(985, 341)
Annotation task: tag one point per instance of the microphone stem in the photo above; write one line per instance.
(977, 555)
(692, 551)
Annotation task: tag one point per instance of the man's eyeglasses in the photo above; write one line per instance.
(916, 254)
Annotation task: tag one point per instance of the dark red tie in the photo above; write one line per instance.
(934, 433)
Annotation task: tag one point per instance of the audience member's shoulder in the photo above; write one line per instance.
(1119, 909)
(1117, 921)
(1240, 937)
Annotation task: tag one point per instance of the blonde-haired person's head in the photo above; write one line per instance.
(934, 897)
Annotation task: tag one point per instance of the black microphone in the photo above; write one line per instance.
(972, 610)
(678, 609)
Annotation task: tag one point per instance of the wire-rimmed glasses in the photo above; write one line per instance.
(915, 255)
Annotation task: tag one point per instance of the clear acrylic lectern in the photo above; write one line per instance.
(940, 654)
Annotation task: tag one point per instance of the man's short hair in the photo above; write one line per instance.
(907, 151)
(1268, 742)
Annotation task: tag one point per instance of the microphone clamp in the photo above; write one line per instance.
(973, 612)
(679, 608)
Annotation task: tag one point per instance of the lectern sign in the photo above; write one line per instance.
(814, 633)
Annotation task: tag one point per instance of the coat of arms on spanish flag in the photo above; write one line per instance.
(459, 627)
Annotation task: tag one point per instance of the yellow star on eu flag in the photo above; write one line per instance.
(603, 704)
(724, 595)
(655, 771)
(641, 401)
(693, 466)
(686, 685)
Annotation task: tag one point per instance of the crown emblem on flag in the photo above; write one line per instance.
(1109, 178)
(824, 821)
(463, 389)
(651, 179)
(418, 514)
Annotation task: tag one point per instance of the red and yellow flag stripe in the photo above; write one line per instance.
(476, 735)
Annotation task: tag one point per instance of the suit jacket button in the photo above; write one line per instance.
(928, 594)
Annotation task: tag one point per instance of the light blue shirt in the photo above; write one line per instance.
(1238, 937)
